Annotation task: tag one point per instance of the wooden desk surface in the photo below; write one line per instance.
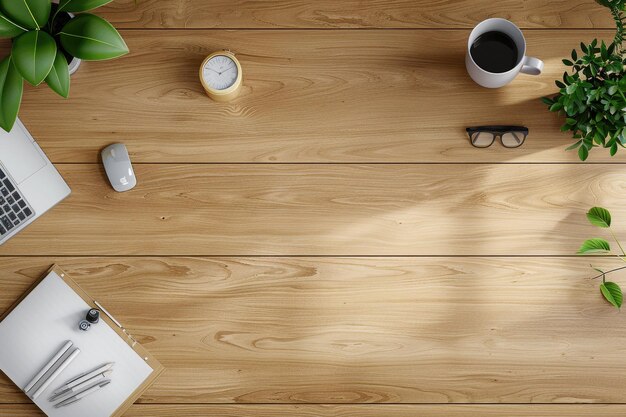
(330, 242)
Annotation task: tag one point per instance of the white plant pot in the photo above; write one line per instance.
(75, 62)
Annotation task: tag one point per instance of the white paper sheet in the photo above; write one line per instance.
(39, 326)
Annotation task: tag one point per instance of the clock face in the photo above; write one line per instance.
(220, 72)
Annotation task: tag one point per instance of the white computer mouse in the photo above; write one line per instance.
(118, 167)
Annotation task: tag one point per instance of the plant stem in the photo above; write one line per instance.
(54, 16)
(52, 20)
(608, 272)
(618, 244)
(619, 23)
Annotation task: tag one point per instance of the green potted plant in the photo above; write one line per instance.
(45, 36)
(592, 97)
(611, 291)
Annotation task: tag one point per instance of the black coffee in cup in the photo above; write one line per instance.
(494, 51)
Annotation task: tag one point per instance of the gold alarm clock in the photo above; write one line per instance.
(221, 76)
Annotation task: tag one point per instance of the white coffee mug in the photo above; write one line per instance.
(525, 64)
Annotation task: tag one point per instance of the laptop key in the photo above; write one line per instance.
(8, 184)
(6, 222)
(14, 209)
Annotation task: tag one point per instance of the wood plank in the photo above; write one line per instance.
(309, 96)
(491, 410)
(345, 330)
(328, 210)
(352, 13)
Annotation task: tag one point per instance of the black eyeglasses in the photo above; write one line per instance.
(510, 136)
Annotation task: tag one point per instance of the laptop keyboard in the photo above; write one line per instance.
(14, 210)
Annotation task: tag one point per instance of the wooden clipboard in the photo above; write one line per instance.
(156, 366)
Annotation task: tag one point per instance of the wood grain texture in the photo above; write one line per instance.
(168, 410)
(354, 330)
(328, 210)
(333, 14)
(288, 335)
(308, 96)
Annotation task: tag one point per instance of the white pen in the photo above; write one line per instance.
(77, 388)
(48, 366)
(83, 377)
(56, 373)
(83, 394)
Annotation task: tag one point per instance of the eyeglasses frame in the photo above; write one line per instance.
(497, 132)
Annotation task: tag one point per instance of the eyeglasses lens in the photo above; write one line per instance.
(482, 139)
(512, 139)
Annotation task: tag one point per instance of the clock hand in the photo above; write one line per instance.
(211, 69)
(226, 70)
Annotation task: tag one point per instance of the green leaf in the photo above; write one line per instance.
(595, 245)
(598, 138)
(11, 88)
(568, 62)
(583, 153)
(613, 149)
(611, 48)
(8, 28)
(556, 106)
(77, 6)
(571, 88)
(574, 146)
(547, 100)
(33, 54)
(612, 90)
(92, 38)
(59, 77)
(31, 14)
(599, 216)
(574, 55)
(612, 293)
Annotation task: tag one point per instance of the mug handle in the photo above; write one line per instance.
(532, 66)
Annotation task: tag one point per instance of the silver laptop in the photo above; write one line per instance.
(29, 183)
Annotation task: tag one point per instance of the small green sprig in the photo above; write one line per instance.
(601, 217)
(616, 7)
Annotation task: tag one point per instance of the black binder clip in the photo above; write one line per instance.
(93, 317)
